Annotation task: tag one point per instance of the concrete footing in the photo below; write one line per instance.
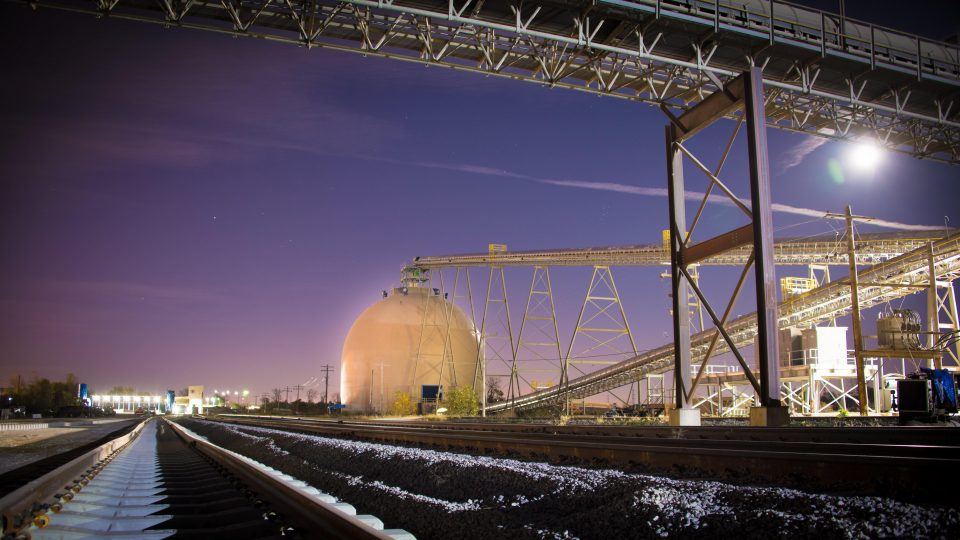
(769, 416)
(684, 417)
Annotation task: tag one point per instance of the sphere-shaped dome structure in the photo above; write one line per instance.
(413, 341)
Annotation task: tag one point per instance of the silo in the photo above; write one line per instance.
(413, 340)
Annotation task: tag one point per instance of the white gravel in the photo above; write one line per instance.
(660, 506)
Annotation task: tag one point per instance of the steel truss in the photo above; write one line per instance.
(881, 283)
(539, 335)
(715, 400)
(827, 75)
(496, 333)
(435, 328)
(943, 321)
(602, 326)
(807, 390)
(820, 274)
(540, 312)
(743, 93)
(872, 248)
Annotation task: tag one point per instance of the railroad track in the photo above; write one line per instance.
(906, 463)
(903, 435)
(160, 480)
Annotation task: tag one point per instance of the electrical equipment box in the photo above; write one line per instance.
(899, 330)
(915, 399)
(824, 346)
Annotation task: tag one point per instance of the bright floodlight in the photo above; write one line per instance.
(865, 156)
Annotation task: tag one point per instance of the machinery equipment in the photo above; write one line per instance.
(927, 395)
(899, 330)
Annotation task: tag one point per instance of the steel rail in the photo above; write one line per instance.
(872, 248)
(827, 302)
(308, 514)
(18, 507)
(926, 436)
(46, 500)
(665, 53)
(821, 465)
(770, 446)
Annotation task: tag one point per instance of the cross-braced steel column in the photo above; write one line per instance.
(745, 93)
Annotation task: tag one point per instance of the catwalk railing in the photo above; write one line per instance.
(824, 74)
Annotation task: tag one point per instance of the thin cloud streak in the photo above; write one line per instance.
(651, 192)
(796, 155)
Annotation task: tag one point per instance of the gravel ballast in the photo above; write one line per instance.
(436, 494)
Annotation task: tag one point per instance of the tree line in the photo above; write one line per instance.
(41, 395)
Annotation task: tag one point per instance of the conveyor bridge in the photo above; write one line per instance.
(884, 282)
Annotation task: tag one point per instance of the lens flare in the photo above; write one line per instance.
(865, 156)
(835, 171)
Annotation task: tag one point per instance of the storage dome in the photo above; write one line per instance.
(403, 343)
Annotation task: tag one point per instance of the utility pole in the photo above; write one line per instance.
(855, 313)
(326, 369)
(855, 305)
(286, 399)
(297, 401)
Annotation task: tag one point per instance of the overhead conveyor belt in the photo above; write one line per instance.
(667, 53)
(827, 302)
(871, 249)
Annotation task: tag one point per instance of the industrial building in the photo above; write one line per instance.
(818, 372)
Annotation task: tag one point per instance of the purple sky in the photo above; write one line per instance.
(185, 208)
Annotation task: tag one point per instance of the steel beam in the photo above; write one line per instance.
(714, 107)
(719, 244)
(761, 204)
(679, 285)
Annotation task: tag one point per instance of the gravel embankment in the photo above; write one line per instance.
(437, 494)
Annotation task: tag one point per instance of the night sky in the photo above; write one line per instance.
(187, 208)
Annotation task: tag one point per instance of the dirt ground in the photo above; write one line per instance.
(18, 448)
(11, 439)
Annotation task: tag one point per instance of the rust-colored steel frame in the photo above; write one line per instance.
(743, 93)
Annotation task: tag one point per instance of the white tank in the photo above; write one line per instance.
(381, 352)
